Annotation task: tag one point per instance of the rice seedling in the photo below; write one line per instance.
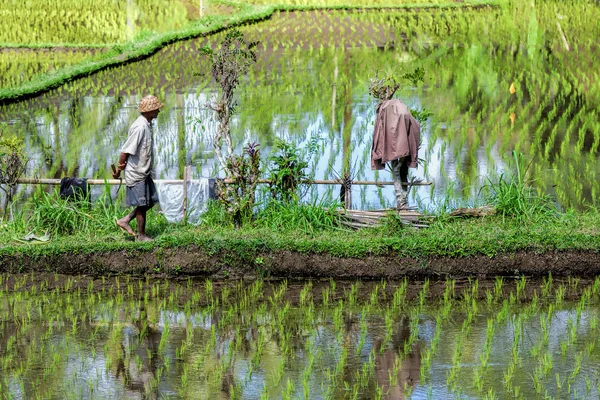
(98, 23)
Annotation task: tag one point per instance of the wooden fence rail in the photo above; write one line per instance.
(47, 181)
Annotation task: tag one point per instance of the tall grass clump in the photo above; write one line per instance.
(68, 216)
(215, 215)
(303, 217)
(512, 195)
(50, 213)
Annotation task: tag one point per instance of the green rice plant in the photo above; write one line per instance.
(547, 286)
(559, 295)
(400, 294)
(520, 287)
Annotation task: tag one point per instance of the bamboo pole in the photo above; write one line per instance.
(48, 181)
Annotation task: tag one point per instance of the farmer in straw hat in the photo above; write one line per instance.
(136, 159)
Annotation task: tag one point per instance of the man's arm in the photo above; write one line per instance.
(122, 164)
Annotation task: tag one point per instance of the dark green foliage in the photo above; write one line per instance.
(287, 171)
(238, 197)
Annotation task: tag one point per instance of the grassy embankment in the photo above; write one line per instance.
(447, 237)
(149, 43)
(74, 231)
(525, 223)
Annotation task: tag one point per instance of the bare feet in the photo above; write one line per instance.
(144, 238)
(124, 226)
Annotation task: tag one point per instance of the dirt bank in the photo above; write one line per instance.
(193, 261)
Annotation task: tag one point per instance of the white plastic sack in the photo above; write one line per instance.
(170, 197)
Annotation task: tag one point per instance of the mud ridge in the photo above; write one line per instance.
(197, 262)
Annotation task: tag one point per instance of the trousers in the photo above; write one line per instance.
(400, 174)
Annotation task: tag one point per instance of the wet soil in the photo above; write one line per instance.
(197, 262)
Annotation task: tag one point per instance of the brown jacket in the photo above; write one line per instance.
(397, 134)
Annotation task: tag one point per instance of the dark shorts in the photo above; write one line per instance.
(142, 194)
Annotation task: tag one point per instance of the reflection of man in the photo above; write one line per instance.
(396, 138)
(139, 365)
(137, 160)
(410, 369)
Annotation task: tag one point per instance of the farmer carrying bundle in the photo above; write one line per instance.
(396, 137)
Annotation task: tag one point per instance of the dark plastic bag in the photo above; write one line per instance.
(74, 188)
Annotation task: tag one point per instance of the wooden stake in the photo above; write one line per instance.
(186, 177)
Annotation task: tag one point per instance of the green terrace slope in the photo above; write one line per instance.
(148, 43)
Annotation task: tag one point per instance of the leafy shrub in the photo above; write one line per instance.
(287, 171)
(238, 196)
(12, 165)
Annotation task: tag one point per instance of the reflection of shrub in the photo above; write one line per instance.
(12, 166)
(513, 197)
(238, 196)
(287, 171)
(229, 64)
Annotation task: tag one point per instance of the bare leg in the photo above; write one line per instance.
(123, 223)
(140, 218)
(400, 174)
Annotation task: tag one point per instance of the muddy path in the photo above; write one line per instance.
(196, 262)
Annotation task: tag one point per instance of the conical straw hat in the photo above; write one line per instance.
(149, 103)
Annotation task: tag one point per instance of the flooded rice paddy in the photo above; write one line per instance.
(99, 22)
(79, 337)
(310, 85)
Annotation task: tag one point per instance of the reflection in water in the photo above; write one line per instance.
(159, 339)
(138, 368)
(407, 376)
(307, 85)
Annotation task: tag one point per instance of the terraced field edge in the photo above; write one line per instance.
(135, 51)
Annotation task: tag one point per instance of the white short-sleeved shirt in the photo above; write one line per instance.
(139, 147)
